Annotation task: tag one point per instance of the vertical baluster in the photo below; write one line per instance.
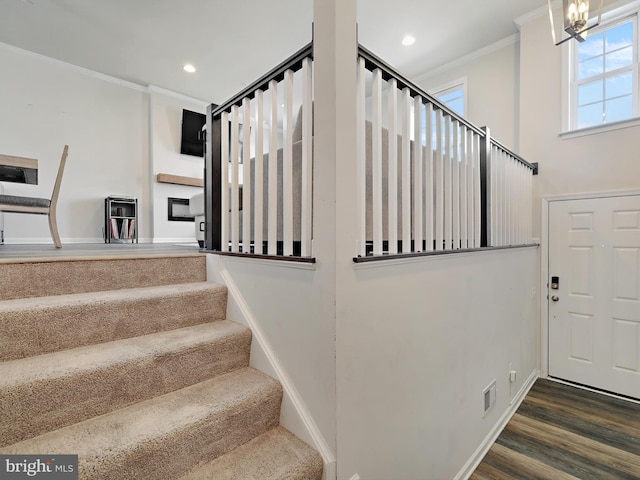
(447, 160)
(376, 157)
(516, 195)
(307, 158)
(530, 206)
(418, 191)
(259, 174)
(499, 220)
(525, 203)
(503, 198)
(464, 190)
(406, 171)
(519, 208)
(509, 203)
(235, 189)
(495, 240)
(361, 160)
(455, 181)
(224, 180)
(272, 197)
(500, 197)
(287, 166)
(470, 188)
(521, 211)
(246, 176)
(428, 178)
(476, 189)
(392, 176)
(512, 199)
(471, 146)
(439, 183)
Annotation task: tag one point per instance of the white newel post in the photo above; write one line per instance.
(335, 229)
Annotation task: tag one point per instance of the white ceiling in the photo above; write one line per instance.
(233, 42)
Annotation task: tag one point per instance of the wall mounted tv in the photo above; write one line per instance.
(192, 142)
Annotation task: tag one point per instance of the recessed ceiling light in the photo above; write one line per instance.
(408, 40)
(189, 68)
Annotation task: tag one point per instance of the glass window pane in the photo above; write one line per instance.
(620, 36)
(619, 109)
(590, 115)
(619, 85)
(591, 47)
(445, 97)
(590, 92)
(454, 99)
(592, 67)
(618, 59)
(457, 105)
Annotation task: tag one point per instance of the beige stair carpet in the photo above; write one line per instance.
(131, 364)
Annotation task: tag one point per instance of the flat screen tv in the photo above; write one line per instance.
(192, 142)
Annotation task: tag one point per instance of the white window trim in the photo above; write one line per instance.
(454, 85)
(617, 15)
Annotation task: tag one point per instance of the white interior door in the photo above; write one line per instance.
(594, 314)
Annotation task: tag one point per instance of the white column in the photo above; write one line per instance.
(335, 229)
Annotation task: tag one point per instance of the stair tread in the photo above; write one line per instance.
(274, 455)
(39, 325)
(53, 390)
(33, 278)
(118, 352)
(101, 441)
(104, 296)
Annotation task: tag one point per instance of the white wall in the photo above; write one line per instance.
(597, 162)
(289, 304)
(420, 343)
(166, 130)
(120, 135)
(47, 104)
(492, 82)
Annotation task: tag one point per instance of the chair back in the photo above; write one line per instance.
(56, 186)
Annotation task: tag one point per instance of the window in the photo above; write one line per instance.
(604, 87)
(453, 97)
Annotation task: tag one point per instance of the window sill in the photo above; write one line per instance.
(632, 122)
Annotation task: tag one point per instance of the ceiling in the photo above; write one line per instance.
(233, 42)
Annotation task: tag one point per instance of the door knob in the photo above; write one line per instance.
(555, 298)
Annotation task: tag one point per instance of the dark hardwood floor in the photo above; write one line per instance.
(562, 432)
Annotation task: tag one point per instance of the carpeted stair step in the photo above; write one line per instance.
(162, 438)
(33, 278)
(274, 455)
(33, 326)
(43, 393)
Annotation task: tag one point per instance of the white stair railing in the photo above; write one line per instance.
(428, 180)
(265, 158)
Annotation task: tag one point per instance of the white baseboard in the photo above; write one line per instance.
(491, 437)
(281, 374)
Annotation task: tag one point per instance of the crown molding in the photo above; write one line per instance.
(74, 68)
(179, 96)
(531, 16)
(101, 76)
(494, 47)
